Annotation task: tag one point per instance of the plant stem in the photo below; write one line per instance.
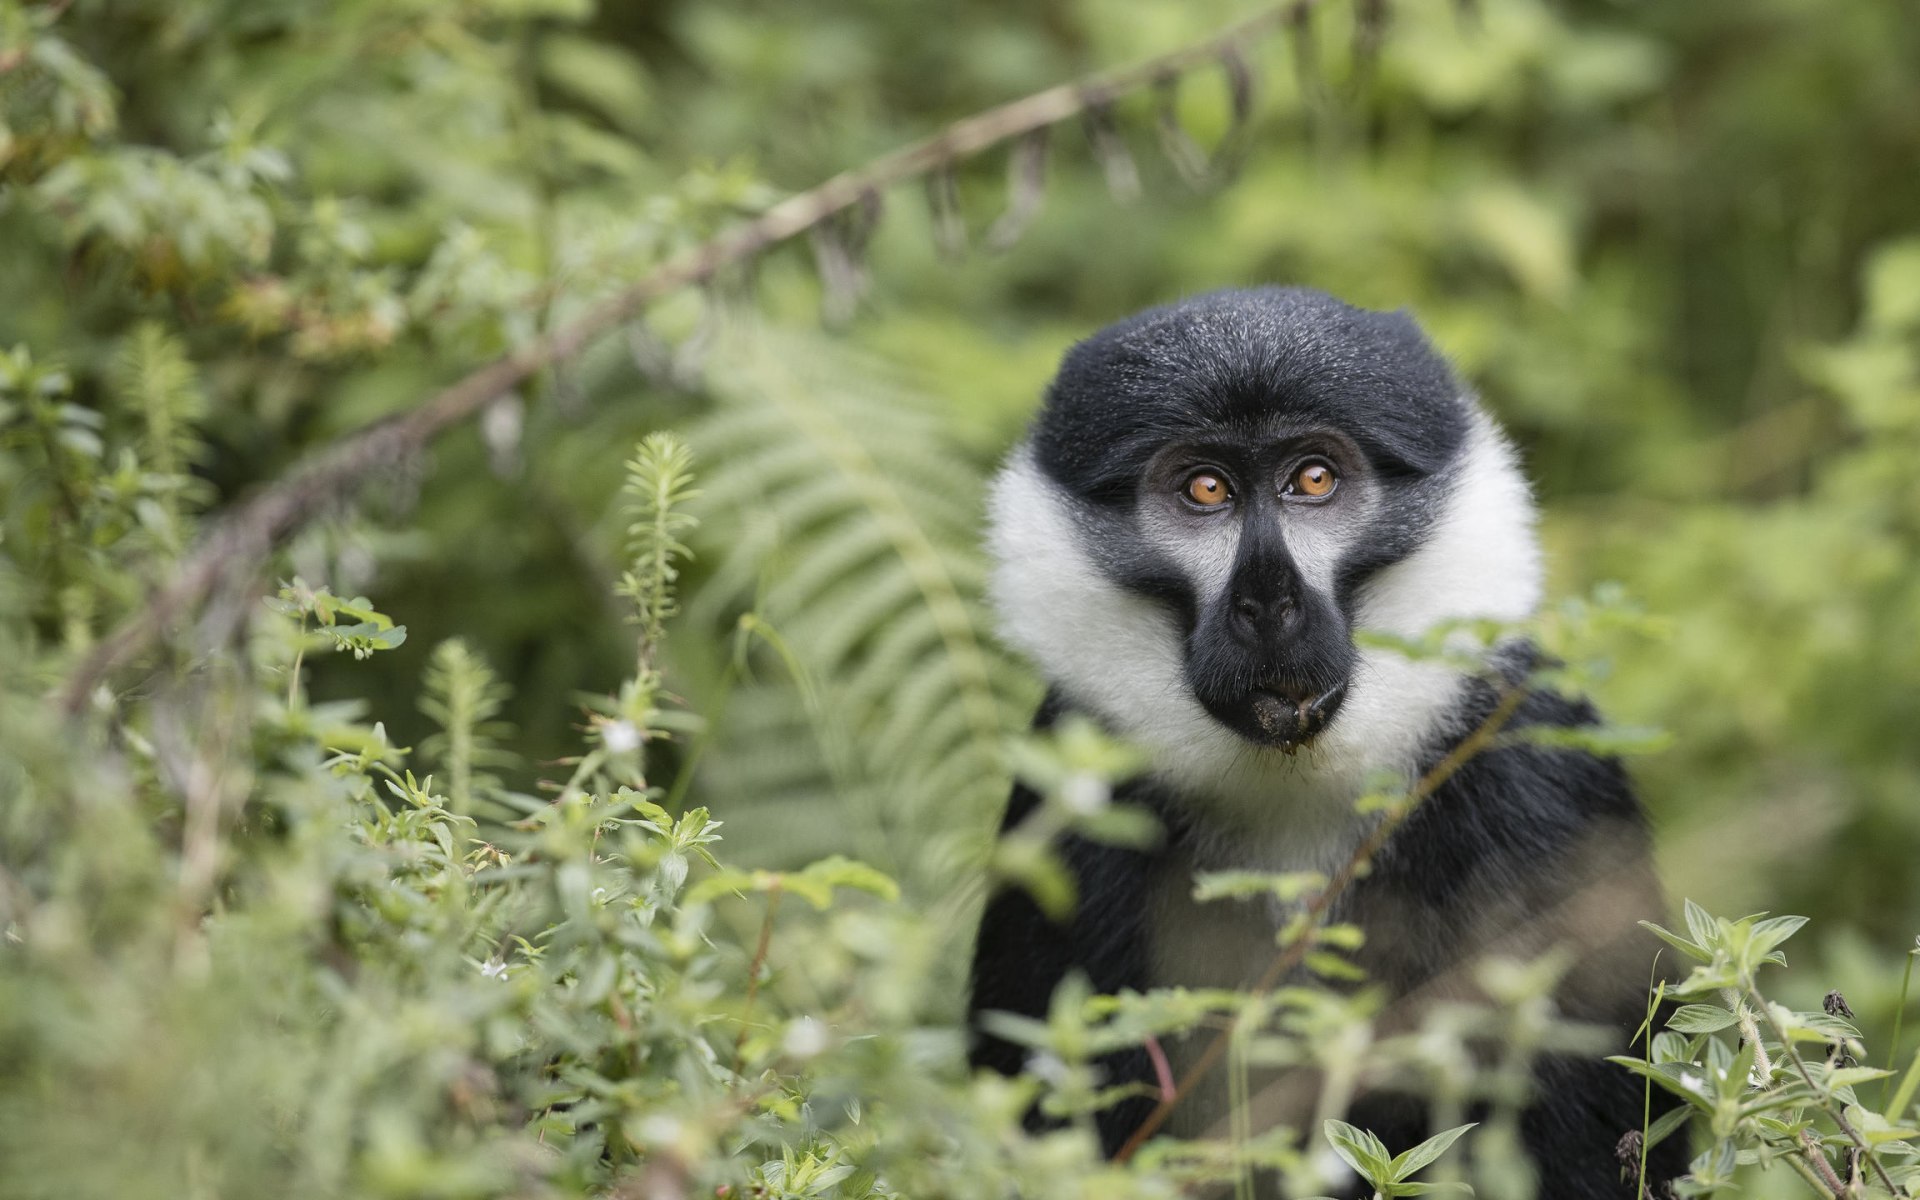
(753, 972)
(1899, 1014)
(293, 675)
(1655, 993)
(1813, 1180)
(1762, 1074)
(1826, 1102)
(1817, 1159)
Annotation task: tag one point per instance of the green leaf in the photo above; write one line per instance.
(839, 872)
(1423, 1154)
(1854, 1076)
(1897, 1107)
(1770, 933)
(1679, 943)
(1686, 1080)
(1363, 1152)
(1616, 741)
(1670, 1121)
(1125, 825)
(1285, 886)
(1700, 923)
(1329, 965)
(1343, 936)
(1893, 286)
(1700, 1018)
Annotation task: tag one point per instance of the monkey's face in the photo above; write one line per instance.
(1245, 541)
(1217, 494)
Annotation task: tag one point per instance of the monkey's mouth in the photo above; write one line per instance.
(1288, 718)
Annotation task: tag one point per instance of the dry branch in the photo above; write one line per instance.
(242, 539)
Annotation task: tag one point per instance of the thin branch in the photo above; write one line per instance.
(1296, 948)
(241, 540)
(753, 974)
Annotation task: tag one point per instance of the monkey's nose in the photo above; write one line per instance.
(1253, 615)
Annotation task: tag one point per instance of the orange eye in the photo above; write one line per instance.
(1313, 480)
(1207, 489)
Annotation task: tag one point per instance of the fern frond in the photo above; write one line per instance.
(658, 487)
(841, 510)
(463, 697)
(153, 378)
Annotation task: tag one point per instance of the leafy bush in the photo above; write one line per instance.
(1787, 1092)
(631, 856)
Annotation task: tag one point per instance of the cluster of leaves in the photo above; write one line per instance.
(275, 952)
(253, 944)
(1786, 1093)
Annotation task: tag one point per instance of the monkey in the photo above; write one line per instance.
(1215, 498)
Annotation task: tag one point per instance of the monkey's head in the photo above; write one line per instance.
(1218, 493)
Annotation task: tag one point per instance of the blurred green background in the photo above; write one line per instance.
(1675, 246)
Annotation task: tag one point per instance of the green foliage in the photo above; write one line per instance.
(838, 516)
(463, 697)
(1786, 1093)
(659, 485)
(1391, 1174)
(451, 914)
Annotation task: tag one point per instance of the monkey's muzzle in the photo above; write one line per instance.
(1289, 720)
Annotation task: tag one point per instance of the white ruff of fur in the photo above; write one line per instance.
(1121, 655)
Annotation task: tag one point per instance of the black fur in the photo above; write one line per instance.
(1228, 363)
(1523, 847)
(1511, 836)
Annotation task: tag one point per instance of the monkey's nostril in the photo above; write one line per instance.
(1247, 609)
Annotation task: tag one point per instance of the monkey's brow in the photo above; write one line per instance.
(1278, 435)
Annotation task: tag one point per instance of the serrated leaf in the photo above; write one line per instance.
(1770, 933)
(1361, 1150)
(1700, 1018)
(1677, 942)
(1682, 1079)
(1701, 925)
(1673, 1119)
(1413, 1160)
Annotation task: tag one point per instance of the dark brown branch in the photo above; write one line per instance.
(242, 539)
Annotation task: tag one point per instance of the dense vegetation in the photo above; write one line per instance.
(628, 840)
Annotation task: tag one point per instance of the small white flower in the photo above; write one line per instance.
(659, 1130)
(1084, 794)
(805, 1038)
(1330, 1167)
(494, 969)
(1047, 1067)
(620, 737)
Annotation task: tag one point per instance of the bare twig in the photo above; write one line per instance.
(753, 973)
(1316, 909)
(234, 547)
